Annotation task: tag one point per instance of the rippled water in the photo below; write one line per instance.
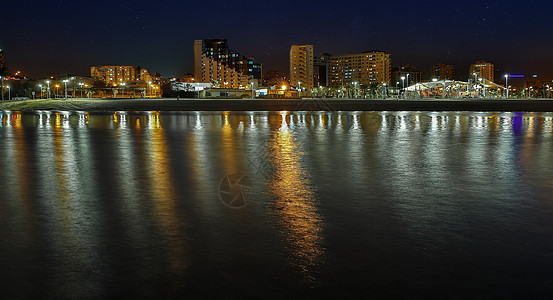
(384, 204)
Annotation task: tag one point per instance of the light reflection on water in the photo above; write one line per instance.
(97, 205)
(295, 203)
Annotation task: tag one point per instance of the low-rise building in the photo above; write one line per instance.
(225, 93)
(120, 74)
(274, 78)
(410, 74)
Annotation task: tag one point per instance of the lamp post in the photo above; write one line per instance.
(403, 84)
(483, 85)
(355, 89)
(149, 88)
(475, 86)
(48, 90)
(65, 86)
(40, 86)
(123, 85)
(81, 85)
(506, 86)
(2, 81)
(407, 85)
(299, 89)
(9, 93)
(253, 92)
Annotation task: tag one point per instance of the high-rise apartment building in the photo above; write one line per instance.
(2, 58)
(442, 71)
(320, 62)
(120, 74)
(215, 63)
(483, 70)
(364, 68)
(301, 66)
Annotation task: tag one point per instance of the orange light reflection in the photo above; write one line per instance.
(295, 205)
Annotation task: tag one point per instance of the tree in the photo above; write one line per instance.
(372, 89)
(3, 73)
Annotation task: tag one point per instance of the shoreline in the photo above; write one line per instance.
(317, 104)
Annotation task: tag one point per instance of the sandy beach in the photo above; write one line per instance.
(167, 104)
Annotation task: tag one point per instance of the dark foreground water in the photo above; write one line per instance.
(274, 204)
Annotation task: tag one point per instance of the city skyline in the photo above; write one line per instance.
(46, 39)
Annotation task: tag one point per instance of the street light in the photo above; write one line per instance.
(483, 85)
(407, 85)
(40, 86)
(48, 90)
(403, 84)
(81, 85)
(506, 86)
(123, 85)
(355, 89)
(150, 87)
(299, 89)
(2, 81)
(65, 85)
(9, 93)
(475, 85)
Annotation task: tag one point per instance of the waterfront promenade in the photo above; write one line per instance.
(168, 104)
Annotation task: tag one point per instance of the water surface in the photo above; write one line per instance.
(408, 204)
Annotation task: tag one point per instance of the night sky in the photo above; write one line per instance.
(44, 38)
